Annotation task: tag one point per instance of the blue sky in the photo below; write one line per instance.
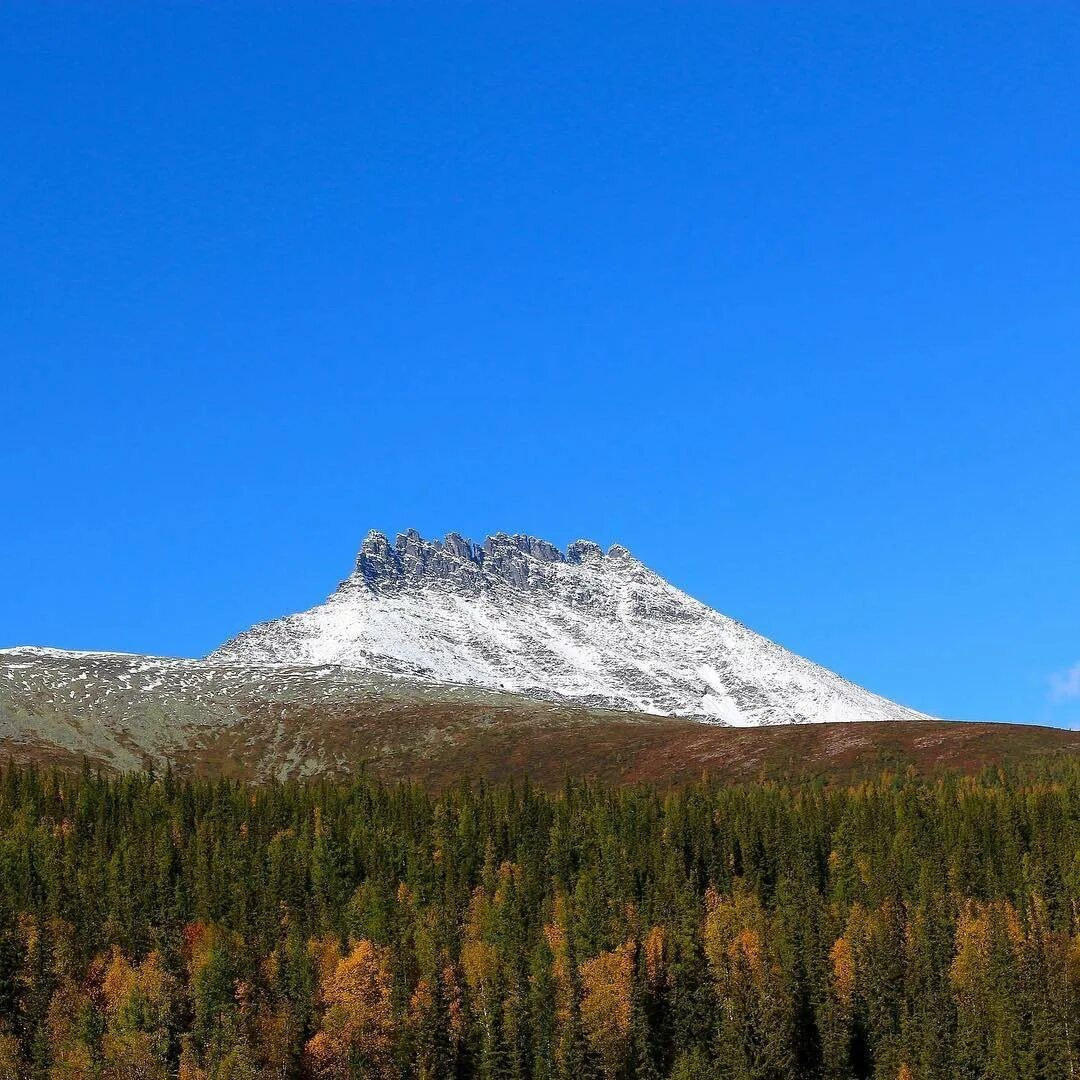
(782, 297)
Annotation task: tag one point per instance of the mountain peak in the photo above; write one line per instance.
(583, 551)
(515, 613)
(517, 559)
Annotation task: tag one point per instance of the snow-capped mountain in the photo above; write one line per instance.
(516, 614)
(436, 658)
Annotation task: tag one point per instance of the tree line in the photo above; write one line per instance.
(901, 927)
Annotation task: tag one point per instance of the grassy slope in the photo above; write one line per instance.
(435, 743)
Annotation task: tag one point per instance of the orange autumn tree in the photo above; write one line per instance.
(49, 945)
(494, 1007)
(11, 1064)
(358, 1026)
(479, 958)
(138, 1001)
(655, 949)
(969, 975)
(755, 1003)
(435, 1019)
(733, 933)
(993, 993)
(838, 1009)
(71, 1057)
(217, 1044)
(557, 935)
(606, 1006)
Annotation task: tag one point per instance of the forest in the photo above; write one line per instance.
(900, 927)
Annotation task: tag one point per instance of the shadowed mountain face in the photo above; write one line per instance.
(586, 627)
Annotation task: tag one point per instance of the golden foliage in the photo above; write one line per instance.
(479, 962)
(70, 1056)
(358, 1025)
(557, 939)
(843, 971)
(132, 1055)
(968, 970)
(479, 958)
(274, 1033)
(655, 949)
(733, 934)
(606, 1004)
(137, 997)
(29, 933)
(747, 948)
(189, 1063)
(65, 1005)
(1014, 929)
(118, 982)
(72, 1063)
(421, 1003)
(10, 1057)
(325, 955)
(508, 873)
(557, 935)
(454, 1003)
(979, 928)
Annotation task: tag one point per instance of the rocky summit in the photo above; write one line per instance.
(516, 614)
(458, 561)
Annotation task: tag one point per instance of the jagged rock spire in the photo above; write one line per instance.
(517, 559)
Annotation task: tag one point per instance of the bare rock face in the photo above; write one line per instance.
(517, 614)
(454, 561)
(582, 551)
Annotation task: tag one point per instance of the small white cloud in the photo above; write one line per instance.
(1065, 685)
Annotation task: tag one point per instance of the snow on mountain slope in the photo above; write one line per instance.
(127, 710)
(518, 615)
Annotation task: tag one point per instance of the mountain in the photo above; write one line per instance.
(434, 660)
(516, 614)
(125, 712)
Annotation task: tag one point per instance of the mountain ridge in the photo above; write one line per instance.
(517, 614)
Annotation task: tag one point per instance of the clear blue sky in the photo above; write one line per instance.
(784, 298)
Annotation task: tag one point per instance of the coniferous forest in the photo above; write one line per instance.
(899, 928)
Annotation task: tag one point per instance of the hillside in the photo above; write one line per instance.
(127, 712)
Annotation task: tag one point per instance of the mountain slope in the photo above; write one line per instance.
(127, 712)
(435, 660)
(515, 614)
